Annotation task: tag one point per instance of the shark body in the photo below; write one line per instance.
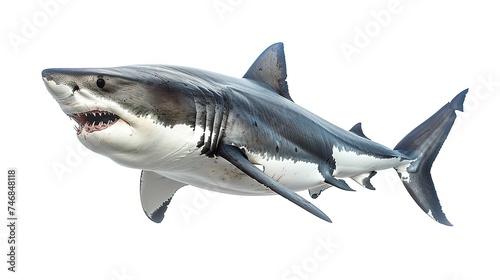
(245, 136)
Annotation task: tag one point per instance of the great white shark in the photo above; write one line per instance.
(245, 136)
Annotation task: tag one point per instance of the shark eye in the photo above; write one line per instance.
(100, 83)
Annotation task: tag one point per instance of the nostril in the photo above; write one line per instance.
(75, 88)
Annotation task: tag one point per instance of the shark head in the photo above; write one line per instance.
(125, 113)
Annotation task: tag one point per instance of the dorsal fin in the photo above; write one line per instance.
(270, 68)
(356, 129)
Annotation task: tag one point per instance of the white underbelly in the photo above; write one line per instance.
(350, 164)
(217, 174)
(187, 165)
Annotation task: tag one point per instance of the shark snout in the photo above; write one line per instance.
(55, 73)
(52, 77)
(47, 74)
(58, 83)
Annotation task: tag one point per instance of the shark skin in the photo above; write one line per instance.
(244, 136)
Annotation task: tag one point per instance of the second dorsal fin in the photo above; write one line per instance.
(356, 129)
(270, 68)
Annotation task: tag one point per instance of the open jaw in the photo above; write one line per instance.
(95, 120)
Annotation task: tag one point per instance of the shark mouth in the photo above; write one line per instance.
(95, 120)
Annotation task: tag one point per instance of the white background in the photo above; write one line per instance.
(411, 57)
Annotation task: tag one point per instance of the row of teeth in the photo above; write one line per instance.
(87, 124)
(94, 114)
(91, 121)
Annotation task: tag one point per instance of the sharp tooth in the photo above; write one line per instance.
(93, 113)
(100, 123)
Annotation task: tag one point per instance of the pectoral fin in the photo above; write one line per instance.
(235, 156)
(156, 194)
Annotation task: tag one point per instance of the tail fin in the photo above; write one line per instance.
(423, 144)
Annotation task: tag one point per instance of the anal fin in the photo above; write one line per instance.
(156, 193)
(364, 179)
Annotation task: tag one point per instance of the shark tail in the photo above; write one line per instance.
(422, 145)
